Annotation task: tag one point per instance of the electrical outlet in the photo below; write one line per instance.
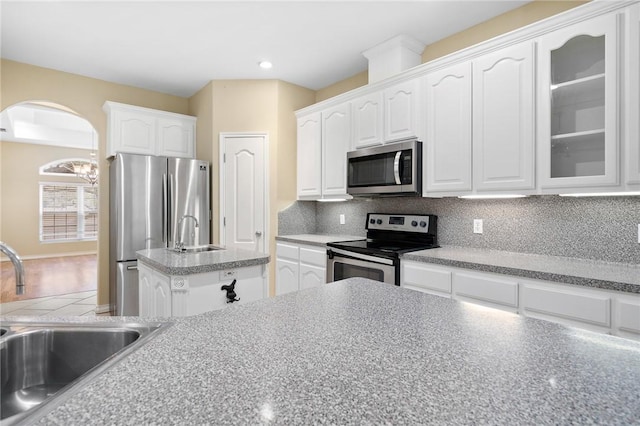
(477, 226)
(342, 220)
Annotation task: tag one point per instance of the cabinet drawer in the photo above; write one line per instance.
(425, 278)
(629, 316)
(287, 251)
(593, 309)
(487, 288)
(312, 256)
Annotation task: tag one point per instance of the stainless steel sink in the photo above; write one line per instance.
(199, 249)
(41, 363)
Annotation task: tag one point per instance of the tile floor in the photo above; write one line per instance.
(73, 304)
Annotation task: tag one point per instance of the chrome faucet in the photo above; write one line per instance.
(17, 266)
(180, 244)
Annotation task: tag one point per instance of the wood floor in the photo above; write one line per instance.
(50, 277)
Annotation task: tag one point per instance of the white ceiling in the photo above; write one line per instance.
(177, 47)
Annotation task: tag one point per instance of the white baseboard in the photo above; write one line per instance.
(48, 256)
(103, 309)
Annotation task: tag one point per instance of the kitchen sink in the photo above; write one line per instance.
(40, 364)
(199, 249)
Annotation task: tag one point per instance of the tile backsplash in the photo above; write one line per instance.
(602, 228)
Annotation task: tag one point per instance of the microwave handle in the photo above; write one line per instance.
(396, 168)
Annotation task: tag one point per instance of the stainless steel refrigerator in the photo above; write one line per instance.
(154, 203)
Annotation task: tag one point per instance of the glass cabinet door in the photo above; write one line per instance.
(578, 95)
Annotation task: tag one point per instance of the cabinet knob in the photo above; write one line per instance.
(258, 234)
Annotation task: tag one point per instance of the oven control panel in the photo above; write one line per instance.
(401, 222)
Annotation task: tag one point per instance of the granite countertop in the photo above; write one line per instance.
(173, 263)
(363, 352)
(320, 240)
(589, 273)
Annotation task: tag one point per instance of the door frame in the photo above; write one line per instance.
(224, 136)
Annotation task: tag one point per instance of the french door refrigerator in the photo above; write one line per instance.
(154, 203)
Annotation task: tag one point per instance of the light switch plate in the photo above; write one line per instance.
(342, 220)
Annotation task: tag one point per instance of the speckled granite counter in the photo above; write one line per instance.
(590, 273)
(363, 352)
(319, 240)
(174, 263)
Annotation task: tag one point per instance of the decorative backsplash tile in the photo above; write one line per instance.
(602, 228)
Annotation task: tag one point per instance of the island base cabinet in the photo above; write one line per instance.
(162, 295)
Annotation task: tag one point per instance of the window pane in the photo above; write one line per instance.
(69, 212)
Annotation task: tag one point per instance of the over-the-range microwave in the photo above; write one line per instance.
(389, 170)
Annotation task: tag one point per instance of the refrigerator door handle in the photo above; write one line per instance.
(165, 211)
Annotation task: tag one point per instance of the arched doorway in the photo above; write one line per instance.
(49, 208)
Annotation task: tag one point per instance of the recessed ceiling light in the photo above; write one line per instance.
(265, 65)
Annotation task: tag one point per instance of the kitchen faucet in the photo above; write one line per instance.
(17, 266)
(180, 244)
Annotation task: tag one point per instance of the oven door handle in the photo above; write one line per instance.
(396, 168)
(358, 256)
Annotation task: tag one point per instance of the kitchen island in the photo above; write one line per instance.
(359, 351)
(173, 283)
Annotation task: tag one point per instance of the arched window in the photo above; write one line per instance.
(65, 167)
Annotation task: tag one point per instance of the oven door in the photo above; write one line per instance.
(343, 264)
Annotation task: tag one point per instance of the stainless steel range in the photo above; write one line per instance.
(378, 256)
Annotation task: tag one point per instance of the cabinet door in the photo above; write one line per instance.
(632, 100)
(176, 138)
(286, 276)
(309, 157)
(578, 98)
(132, 132)
(401, 111)
(336, 139)
(426, 278)
(486, 289)
(503, 119)
(367, 121)
(312, 276)
(448, 135)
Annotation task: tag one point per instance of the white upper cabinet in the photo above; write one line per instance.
(632, 100)
(139, 130)
(401, 112)
(447, 158)
(503, 119)
(578, 105)
(367, 120)
(336, 138)
(309, 157)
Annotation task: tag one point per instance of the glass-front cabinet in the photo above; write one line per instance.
(578, 125)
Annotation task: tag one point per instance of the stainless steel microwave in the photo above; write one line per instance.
(388, 170)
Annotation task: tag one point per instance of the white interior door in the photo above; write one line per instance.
(243, 191)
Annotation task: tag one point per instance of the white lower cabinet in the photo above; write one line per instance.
(164, 295)
(299, 267)
(492, 290)
(580, 307)
(604, 311)
(426, 278)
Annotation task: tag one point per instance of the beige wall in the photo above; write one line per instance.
(19, 190)
(21, 82)
(232, 106)
(524, 15)
(517, 18)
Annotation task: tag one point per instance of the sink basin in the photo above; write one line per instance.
(198, 249)
(40, 364)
